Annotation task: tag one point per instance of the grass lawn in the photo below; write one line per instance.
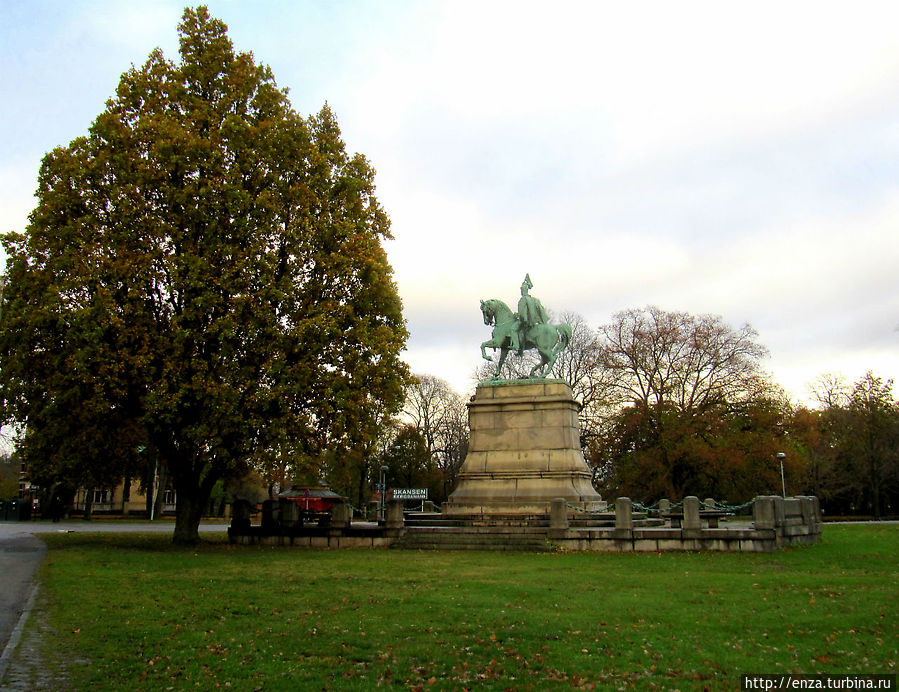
(149, 616)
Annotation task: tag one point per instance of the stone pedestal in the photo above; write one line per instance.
(524, 452)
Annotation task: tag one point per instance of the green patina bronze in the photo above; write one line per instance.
(527, 329)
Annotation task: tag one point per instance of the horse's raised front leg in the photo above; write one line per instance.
(484, 351)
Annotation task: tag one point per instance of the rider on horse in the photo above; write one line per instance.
(530, 313)
(529, 328)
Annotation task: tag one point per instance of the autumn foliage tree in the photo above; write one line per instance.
(696, 414)
(203, 279)
(853, 442)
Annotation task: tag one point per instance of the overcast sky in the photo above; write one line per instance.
(740, 159)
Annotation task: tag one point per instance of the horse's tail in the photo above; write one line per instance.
(564, 331)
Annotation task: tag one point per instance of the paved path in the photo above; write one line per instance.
(20, 556)
(21, 553)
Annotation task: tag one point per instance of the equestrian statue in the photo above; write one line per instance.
(529, 328)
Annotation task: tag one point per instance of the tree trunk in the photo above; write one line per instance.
(188, 512)
(192, 498)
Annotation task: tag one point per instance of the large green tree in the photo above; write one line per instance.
(203, 278)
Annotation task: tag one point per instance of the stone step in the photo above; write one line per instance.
(438, 539)
(542, 523)
(479, 520)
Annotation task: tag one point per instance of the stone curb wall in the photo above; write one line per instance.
(777, 522)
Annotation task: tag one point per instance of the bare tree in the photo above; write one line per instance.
(657, 358)
(580, 365)
(453, 447)
(831, 391)
(441, 417)
(429, 403)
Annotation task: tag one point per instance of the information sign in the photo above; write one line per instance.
(410, 493)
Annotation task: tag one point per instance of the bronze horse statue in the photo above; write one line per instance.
(510, 334)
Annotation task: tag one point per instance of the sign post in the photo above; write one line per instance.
(411, 494)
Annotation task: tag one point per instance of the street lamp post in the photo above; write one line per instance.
(383, 488)
(783, 486)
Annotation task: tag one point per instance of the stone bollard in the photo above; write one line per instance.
(691, 513)
(763, 513)
(816, 509)
(241, 512)
(558, 514)
(710, 503)
(340, 516)
(271, 519)
(395, 515)
(779, 515)
(624, 514)
(807, 509)
(624, 523)
(664, 506)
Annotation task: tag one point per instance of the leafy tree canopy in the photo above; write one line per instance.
(203, 278)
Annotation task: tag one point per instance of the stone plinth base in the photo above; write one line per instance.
(524, 452)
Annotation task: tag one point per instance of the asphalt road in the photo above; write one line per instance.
(21, 553)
